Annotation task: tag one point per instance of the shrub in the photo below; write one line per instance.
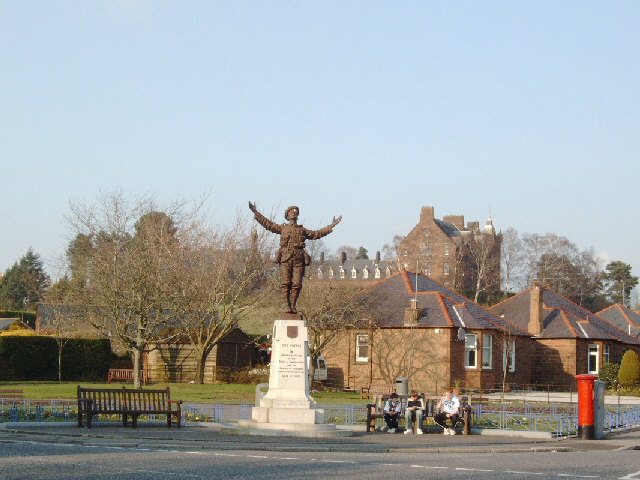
(28, 358)
(19, 332)
(629, 369)
(609, 374)
(36, 358)
(86, 359)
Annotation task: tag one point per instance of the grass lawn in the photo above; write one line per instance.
(222, 393)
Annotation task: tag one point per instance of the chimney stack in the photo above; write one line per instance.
(411, 315)
(321, 257)
(378, 257)
(536, 312)
(343, 258)
(426, 214)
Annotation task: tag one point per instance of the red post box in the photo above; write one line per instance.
(586, 406)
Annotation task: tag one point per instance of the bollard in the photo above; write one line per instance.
(586, 407)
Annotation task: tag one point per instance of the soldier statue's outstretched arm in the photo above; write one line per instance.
(264, 221)
(323, 232)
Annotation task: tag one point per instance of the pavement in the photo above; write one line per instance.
(198, 437)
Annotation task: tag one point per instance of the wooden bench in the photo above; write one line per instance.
(11, 394)
(126, 402)
(125, 375)
(377, 389)
(376, 410)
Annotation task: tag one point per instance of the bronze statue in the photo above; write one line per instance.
(292, 256)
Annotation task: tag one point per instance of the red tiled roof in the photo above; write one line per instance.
(440, 307)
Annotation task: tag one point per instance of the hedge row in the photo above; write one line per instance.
(36, 358)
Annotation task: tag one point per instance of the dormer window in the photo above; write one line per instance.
(388, 272)
(331, 273)
(319, 273)
(354, 273)
(341, 272)
(377, 273)
(365, 272)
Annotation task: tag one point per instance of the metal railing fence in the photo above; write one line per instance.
(559, 419)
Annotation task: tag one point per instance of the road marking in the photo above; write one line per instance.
(576, 476)
(340, 461)
(287, 458)
(474, 469)
(426, 466)
(256, 456)
(631, 476)
(524, 473)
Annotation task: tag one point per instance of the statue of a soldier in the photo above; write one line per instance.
(292, 256)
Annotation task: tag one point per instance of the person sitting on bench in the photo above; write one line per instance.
(392, 410)
(448, 406)
(413, 413)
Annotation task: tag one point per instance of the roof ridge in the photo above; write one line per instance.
(446, 310)
(568, 322)
(511, 298)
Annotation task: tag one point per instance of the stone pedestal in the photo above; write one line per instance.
(287, 408)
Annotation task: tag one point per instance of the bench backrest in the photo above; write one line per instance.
(430, 402)
(380, 400)
(103, 398)
(11, 394)
(119, 399)
(147, 399)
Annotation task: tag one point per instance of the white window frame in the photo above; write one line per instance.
(446, 249)
(362, 342)
(341, 272)
(365, 273)
(331, 273)
(471, 351)
(354, 273)
(377, 272)
(593, 353)
(487, 351)
(319, 273)
(512, 360)
(446, 268)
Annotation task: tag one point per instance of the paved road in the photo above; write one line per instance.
(67, 461)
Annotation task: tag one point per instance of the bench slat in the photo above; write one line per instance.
(126, 402)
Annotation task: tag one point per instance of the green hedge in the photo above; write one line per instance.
(36, 358)
(28, 317)
(86, 359)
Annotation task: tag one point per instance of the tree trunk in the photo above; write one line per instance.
(59, 362)
(137, 364)
(200, 364)
(312, 368)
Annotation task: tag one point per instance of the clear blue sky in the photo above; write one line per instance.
(361, 108)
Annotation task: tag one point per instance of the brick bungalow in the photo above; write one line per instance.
(430, 334)
(569, 340)
(623, 318)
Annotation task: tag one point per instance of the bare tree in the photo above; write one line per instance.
(481, 252)
(508, 348)
(222, 274)
(390, 250)
(511, 257)
(123, 275)
(330, 311)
